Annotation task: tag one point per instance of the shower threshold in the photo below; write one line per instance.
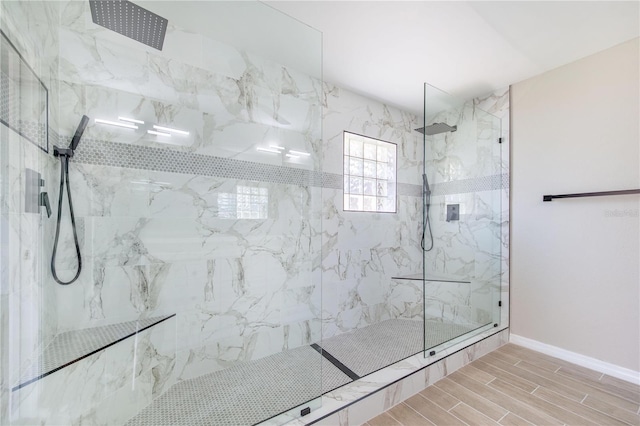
(251, 392)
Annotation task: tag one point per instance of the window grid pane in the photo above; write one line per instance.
(369, 174)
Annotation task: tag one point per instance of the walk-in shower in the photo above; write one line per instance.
(462, 205)
(218, 278)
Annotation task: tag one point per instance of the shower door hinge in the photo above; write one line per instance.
(500, 303)
(499, 140)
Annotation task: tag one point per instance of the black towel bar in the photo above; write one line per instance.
(591, 194)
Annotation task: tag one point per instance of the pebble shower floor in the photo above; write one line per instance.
(245, 393)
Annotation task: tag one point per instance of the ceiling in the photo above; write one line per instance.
(388, 49)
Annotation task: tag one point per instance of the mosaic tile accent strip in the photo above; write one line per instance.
(9, 98)
(32, 130)
(409, 189)
(22, 94)
(245, 394)
(371, 348)
(106, 153)
(484, 183)
(332, 181)
(71, 346)
(116, 154)
(10, 112)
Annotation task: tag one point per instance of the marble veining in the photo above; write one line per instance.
(72, 346)
(252, 250)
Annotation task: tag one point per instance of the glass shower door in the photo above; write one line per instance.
(462, 214)
(197, 195)
(26, 324)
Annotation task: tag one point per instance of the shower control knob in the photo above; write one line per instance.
(44, 202)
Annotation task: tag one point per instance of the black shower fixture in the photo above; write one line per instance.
(130, 20)
(436, 128)
(64, 154)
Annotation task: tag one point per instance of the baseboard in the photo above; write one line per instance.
(578, 359)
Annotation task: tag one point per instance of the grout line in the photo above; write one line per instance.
(461, 421)
(389, 414)
(533, 391)
(500, 419)
(557, 369)
(459, 402)
(605, 412)
(416, 411)
(585, 397)
(601, 376)
(433, 402)
(558, 380)
(560, 406)
(518, 400)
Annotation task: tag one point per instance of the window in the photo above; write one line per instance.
(253, 202)
(249, 202)
(369, 174)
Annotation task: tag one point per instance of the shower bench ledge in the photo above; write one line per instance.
(420, 277)
(69, 347)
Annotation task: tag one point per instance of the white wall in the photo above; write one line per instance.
(575, 275)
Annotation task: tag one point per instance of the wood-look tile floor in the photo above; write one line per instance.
(517, 386)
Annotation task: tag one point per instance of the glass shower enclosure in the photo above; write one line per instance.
(197, 198)
(462, 219)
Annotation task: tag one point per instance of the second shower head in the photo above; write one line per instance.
(436, 128)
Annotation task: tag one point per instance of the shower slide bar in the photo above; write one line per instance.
(591, 194)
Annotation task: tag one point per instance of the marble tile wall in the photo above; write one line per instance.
(234, 255)
(251, 264)
(28, 322)
(207, 227)
(498, 104)
(363, 251)
(470, 168)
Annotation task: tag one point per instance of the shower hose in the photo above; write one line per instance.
(426, 224)
(64, 178)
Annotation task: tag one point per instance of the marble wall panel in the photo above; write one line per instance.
(468, 167)
(363, 251)
(161, 242)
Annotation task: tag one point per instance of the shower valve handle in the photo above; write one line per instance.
(44, 201)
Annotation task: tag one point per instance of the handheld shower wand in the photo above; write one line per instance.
(426, 223)
(65, 154)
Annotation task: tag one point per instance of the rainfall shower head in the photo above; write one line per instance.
(79, 131)
(130, 20)
(436, 128)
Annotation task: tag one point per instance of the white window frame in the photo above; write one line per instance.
(369, 178)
